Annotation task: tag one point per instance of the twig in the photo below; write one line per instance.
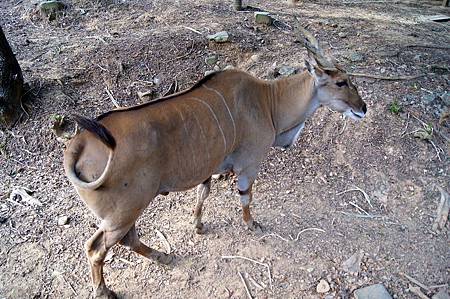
(255, 283)
(442, 210)
(361, 216)
(416, 291)
(192, 29)
(308, 229)
(360, 190)
(70, 286)
(385, 77)
(245, 285)
(274, 235)
(164, 240)
(406, 127)
(111, 97)
(436, 148)
(429, 46)
(252, 260)
(415, 281)
(359, 208)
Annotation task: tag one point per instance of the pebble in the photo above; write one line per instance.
(323, 286)
(342, 34)
(263, 18)
(377, 291)
(63, 220)
(219, 37)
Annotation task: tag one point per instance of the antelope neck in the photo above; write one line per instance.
(294, 99)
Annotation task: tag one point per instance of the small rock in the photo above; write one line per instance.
(219, 37)
(51, 8)
(376, 291)
(63, 220)
(209, 72)
(355, 57)
(323, 286)
(287, 71)
(429, 98)
(255, 58)
(446, 98)
(263, 18)
(442, 294)
(353, 264)
(216, 68)
(211, 60)
(228, 67)
(342, 34)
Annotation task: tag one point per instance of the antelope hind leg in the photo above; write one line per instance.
(202, 193)
(96, 248)
(131, 240)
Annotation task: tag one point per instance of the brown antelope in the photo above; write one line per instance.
(227, 122)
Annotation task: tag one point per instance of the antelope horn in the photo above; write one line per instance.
(312, 46)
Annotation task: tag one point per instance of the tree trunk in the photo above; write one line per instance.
(11, 83)
(238, 4)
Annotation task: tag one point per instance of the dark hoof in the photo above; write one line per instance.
(164, 258)
(200, 229)
(104, 293)
(255, 227)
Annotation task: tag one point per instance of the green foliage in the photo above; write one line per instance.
(395, 108)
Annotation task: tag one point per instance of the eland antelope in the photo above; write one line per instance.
(227, 122)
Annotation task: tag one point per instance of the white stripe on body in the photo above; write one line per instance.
(205, 140)
(228, 109)
(217, 121)
(187, 133)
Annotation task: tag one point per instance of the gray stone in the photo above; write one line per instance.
(263, 18)
(446, 98)
(286, 70)
(209, 72)
(355, 57)
(211, 60)
(342, 34)
(376, 291)
(353, 264)
(219, 37)
(51, 8)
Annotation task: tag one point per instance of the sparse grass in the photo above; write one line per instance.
(395, 108)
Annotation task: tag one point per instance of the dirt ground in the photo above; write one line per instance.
(310, 225)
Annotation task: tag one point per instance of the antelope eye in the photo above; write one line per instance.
(341, 83)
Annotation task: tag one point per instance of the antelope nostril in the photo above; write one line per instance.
(364, 108)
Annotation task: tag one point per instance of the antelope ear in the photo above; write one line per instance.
(314, 69)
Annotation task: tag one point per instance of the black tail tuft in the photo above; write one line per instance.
(97, 129)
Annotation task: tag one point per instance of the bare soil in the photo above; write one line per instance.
(131, 46)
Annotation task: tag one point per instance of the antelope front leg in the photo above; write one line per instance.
(245, 195)
(202, 193)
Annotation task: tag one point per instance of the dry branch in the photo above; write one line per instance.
(442, 210)
(245, 286)
(393, 78)
(253, 261)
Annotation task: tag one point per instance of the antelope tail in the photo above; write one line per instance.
(100, 132)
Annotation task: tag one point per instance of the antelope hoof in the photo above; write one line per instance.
(200, 229)
(254, 226)
(104, 293)
(164, 259)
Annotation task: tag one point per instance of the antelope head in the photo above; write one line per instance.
(332, 85)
